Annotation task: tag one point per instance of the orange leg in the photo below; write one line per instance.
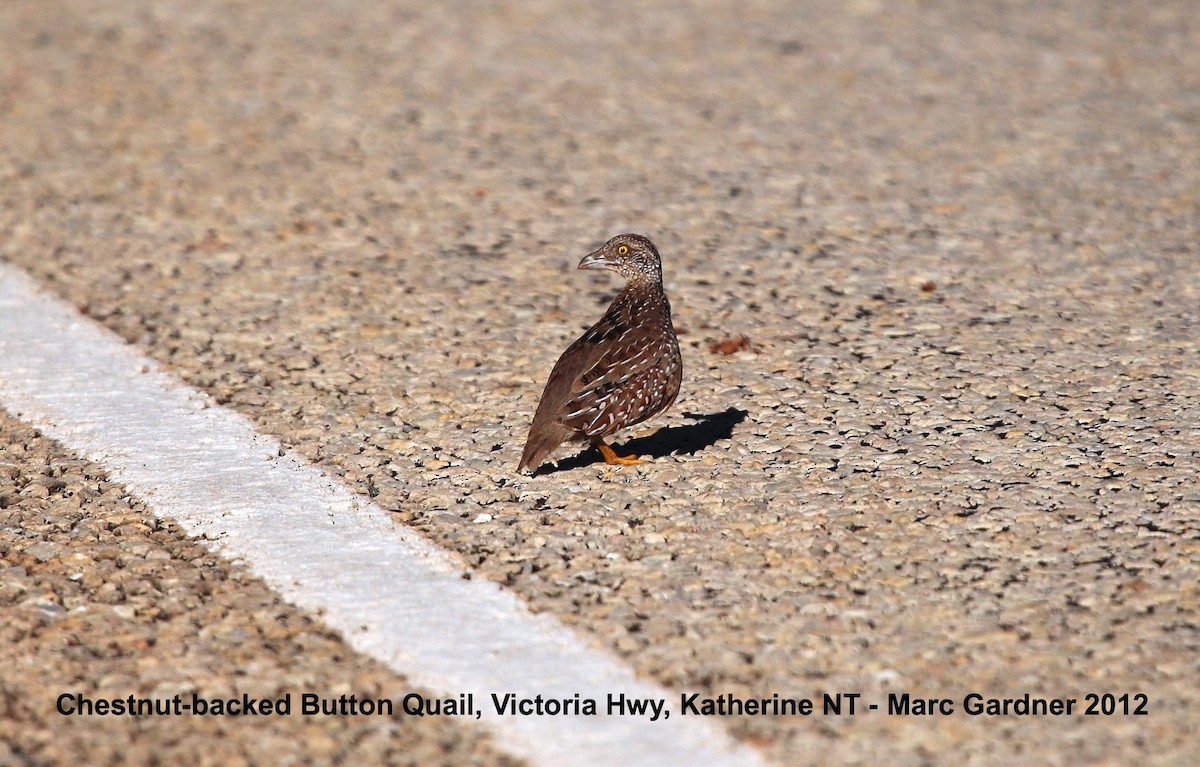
(611, 457)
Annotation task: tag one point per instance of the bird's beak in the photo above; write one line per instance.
(594, 260)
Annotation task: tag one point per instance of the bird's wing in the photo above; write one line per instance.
(608, 354)
(602, 359)
(613, 368)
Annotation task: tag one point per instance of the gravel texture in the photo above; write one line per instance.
(100, 599)
(935, 269)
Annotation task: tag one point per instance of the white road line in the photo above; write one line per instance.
(391, 593)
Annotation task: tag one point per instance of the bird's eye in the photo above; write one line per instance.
(622, 250)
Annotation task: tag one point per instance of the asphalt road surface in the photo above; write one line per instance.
(935, 269)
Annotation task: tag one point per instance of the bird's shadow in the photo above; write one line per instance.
(689, 439)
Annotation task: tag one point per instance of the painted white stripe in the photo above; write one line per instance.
(392, 594)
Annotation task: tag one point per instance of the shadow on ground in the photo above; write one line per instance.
(673, 440)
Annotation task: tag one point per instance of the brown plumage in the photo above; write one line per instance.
(624, 369)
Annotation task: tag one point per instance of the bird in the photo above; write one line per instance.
(623, 370)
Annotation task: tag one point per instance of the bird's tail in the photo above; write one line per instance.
(543, 440)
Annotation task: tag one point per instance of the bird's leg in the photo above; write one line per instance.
(611, 457)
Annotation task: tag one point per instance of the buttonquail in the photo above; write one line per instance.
(624, 369)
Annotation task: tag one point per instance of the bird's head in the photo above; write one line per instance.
(631, 255)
